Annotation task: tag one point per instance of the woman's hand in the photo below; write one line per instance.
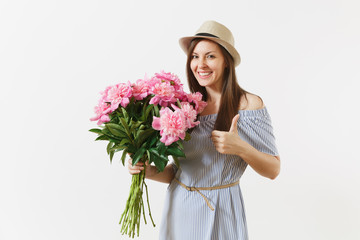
(135, 169)
(151, 172)
(229, 142)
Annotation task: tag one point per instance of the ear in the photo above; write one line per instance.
(226, 64)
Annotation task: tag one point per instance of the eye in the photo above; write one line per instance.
(210, 56)
(194, 56)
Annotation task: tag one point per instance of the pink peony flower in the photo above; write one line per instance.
(119, 94)
(164, 93)
(180, 94)
(102, 110)
(190, 114)
(140, 89)
(173, 80)
(172, 125)
(196, 99)
(169, 77)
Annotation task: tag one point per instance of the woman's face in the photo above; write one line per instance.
(208, 64)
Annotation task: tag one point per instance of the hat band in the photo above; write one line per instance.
(206, 35)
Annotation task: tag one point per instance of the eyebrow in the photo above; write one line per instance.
(205, 53)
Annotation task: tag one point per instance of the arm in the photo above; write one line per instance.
(152, 173)
(231, 143)
(264, 164)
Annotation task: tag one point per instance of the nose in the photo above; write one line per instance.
(202, 62)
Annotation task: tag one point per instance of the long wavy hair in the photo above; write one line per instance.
(231, 92)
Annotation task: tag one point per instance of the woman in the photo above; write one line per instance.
(204, 199)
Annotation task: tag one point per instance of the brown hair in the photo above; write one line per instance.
(231, 91)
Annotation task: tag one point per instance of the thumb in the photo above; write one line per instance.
(233, 127)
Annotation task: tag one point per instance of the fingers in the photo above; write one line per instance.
(220, 140)
(233, 127)
(135, 169)
(216, 133)
(217, 137)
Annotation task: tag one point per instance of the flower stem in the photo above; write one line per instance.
(147, 198)
(130, 218)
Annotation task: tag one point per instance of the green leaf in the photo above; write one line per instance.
(159, 160)
(135, 125)
(123, 156)
(161, 148)
(95, 130)
(117, 148)
(102, 137)
(124, 141)
(149, 156)
(106, 132)
(142, 117)
(138, 155)
(116, 132)
(137, 134)
(181, 146)
(117, 113)
(159, 163)
(114, 126)
(174, 151)
(144, 106)
(156, 108)
(109, 146)
(148, 110)
(131, 149)
(125, 125)
(144, 135)
(153, 140)
(187, 136)
(178, 103)
(114, 140)
(125, 114)
(121, 127)
(111, 156)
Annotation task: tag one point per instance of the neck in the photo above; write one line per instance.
(213, 95)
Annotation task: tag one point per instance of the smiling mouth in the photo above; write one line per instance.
(204, 74)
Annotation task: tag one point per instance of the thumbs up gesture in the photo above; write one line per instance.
(228, 142)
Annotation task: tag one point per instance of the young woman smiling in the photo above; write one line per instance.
(204, 199)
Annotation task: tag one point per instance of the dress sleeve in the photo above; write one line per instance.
(175, 168)
(255, 128)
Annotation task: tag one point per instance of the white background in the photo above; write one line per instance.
(301, 57)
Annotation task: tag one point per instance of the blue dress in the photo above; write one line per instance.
(186, 216)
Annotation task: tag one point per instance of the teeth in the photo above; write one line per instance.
(204, 74)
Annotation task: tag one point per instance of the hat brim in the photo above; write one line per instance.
(186, 41)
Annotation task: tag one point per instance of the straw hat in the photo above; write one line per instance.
(216, 32)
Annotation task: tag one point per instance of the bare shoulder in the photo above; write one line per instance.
(251, 102)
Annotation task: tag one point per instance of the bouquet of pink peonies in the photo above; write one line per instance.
(145, 119)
